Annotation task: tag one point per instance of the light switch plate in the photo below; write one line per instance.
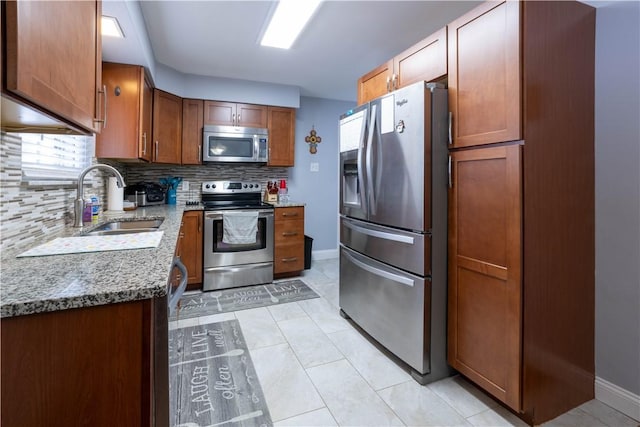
(185, 185)
(315, 167)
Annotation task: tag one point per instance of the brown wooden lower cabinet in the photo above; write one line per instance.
(190, 247)
(288, 241)
(485, 297)
(87, 366)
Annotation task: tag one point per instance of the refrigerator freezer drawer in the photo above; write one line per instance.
(403, 249)
(389, 304)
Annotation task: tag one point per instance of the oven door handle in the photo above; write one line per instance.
(262, 213)
(233, 269)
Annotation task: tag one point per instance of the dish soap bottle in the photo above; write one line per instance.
(87, 211)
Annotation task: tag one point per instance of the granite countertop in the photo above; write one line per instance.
(290, 204)
(58, 282)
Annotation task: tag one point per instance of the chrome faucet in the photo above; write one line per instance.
(79, 202)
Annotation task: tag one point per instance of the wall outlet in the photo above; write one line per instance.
(185, 185)
(315, 167)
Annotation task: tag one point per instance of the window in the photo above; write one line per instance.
(55, 157)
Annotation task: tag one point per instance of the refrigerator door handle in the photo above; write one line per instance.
(380, 234)
(360, 165)
(378, 272)
(369, 161)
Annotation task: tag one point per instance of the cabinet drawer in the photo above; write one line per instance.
(290, 232)
(289, 258)
(284, 214)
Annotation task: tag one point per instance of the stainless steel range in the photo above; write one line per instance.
(229, 263)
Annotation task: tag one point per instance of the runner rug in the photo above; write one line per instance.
(214, 302)
(212, 381)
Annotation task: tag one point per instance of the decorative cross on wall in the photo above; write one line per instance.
(313, 140)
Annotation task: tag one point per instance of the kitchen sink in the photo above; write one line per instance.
(126, 227)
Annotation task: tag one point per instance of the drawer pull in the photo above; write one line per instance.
(290, 214)
(292, 259)
(289, 233)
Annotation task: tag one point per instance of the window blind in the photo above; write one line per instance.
(48, 157)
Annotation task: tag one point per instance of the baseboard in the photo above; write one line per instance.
(324, 254)
(618, 398)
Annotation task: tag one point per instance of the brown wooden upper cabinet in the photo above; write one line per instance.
(282, 127)
(127, 134)
(167, 127)
(234, 114)
(426, 60)
(72, 48)
(484, 75)
(192, 122)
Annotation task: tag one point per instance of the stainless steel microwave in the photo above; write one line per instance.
(235, 144)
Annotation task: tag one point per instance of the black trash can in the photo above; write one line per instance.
(308, 243)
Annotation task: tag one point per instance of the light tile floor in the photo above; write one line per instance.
(317, 370)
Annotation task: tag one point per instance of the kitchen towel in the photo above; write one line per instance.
(239, 227)
(115, 195)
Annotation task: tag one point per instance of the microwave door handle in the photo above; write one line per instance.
(369, 162)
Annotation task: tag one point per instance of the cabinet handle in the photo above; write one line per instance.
(238, 119)
(290, 214)
(199, 223)
(199, 153)
(233, 119)
(144, 143)
(103, 120)
(450, 127)
(289, 233)
(394, 79)
(292, 259)
(156, 150)
(388, 83)
(449, 172)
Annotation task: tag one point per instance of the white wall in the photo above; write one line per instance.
(319, 190)
(617, 149)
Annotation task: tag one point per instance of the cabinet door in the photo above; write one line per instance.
(250, 115)
(125, 135)
(192, 119)
(426, 60)
(375, 83)
(167, 127)
(282, 126)
(56, 66)
(219, 113)
(484, 75)
(146, 114)
(485, 297)
(191, 247)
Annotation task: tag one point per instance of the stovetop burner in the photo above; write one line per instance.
(218, 195)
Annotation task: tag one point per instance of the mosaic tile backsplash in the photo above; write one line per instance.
(28, 213)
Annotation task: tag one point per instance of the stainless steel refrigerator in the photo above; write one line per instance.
(393, 224)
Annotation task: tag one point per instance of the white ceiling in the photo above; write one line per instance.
(344, 39)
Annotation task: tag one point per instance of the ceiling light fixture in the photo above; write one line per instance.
(111, 27)
(287, 22)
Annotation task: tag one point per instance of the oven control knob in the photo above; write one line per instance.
(213, 186)
(250, 185)
(245, 186)
(208, 186)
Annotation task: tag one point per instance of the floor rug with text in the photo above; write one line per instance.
(212, 380)
(234, 299)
